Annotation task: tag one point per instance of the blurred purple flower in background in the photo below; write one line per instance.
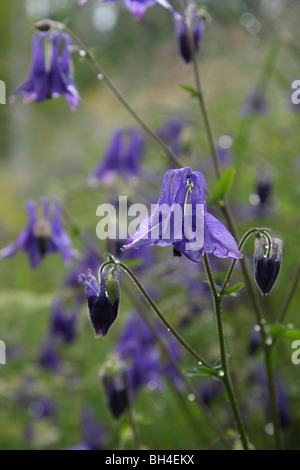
(121, 158)
(171, 131)
(258, 376)
(53, 79)
(137, 7)
(255, 103)
(210, 390)
(62, 323)
(92, 432)
(103, 310)
(49, 358)
(158, 229)
(196, 25)
(42, 235)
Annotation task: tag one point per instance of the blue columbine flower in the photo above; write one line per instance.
(196, 23)
(165, 228)
(103, 309)
(122, 157)
(50, 74)
(42, 235)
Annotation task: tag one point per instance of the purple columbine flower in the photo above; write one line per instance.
(255, 103)
(196, 24)
(50, 74)
(62, 324)
(267, 267)
(42, 235)
(103, 309)
(169, 223)
(122, 157)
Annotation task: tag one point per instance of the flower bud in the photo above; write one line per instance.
(112, 287)
(267, 267)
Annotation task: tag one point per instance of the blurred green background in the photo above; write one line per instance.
(45, 149)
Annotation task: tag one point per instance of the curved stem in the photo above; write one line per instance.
(241, 245)
(226, 378)
(161, 316)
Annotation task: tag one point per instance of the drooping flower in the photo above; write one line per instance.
(122, 157)
(267, 267)
(42, 235)
(50, 74)
(189, 227)
(196, 25)
(103, 308)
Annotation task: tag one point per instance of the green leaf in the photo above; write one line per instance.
(233, 290)
(201, 372)
(193, 93)
(285, 332)
(223, 186)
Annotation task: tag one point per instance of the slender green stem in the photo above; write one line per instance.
(226, 377)
(272, 395)
(161, 316)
